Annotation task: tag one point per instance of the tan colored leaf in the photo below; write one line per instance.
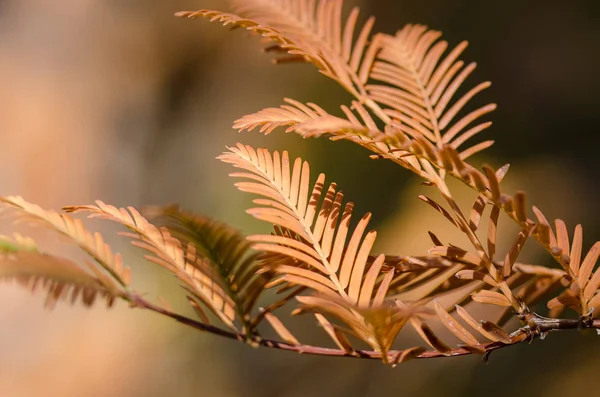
(490, 297)
(310, 33)
(542, 219)
(493, 182)
(439, 209)
(419, 84)
(290, 114)
(562, 236)
(457, 253)
(225, 250)
(514, 251)
(317, 226)
(429, 336)
(594, 303)
(476, 212)
(306, 282)
(492, 231)
(368, 285)
(195, 272)
(475, 275)
(346, 269)
(480, 146)
(376, 326)
(497, 331)
(592, 286)
(425, 288)
(338, 337)
(476, 325)
(453, 326)
(358, 269)
(407, 354)
(73, 229)
(383, 288)
(293, 253)
(60, 277)
(543, 232)
(567, 298)
(198, 310)
(588, 265)
(576, 249)
(305, 273)
(281, 329)
(520, 207)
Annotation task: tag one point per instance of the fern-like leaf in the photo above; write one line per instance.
(290, 114)
(349, 287)
(190, 267)
(308, 120)
(309, 30)
(419, 87)
(226, 250)
(73, 229)
(61, 278)
(314, 215)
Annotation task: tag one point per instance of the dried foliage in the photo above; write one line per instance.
(228, 255)
(405, 109)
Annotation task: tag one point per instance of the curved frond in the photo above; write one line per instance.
(412, 89)
(61, 278)
(336, 260)
(291, 114)
(419, 87)
(281, 329)
(313, 31)
(73, 229)
(317, 218)
(310, 121)
(226, 250)
(195, 271)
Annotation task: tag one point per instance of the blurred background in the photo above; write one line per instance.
(120, 101)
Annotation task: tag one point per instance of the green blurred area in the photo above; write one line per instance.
(120, 101)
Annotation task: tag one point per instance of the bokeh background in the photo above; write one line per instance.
(120, 101)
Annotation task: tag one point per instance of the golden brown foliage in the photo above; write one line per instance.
(405, 109)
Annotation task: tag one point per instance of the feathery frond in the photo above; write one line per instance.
(311, 31)
(73, 229)
(418, 87)
(318, 229)
(314, 215)
(196, 273)
(226, 250)
(309, 120)
(61, 278)
(414, 84)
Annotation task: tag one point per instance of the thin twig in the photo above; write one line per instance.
(537, 327)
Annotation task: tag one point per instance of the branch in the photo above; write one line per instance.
(540, 325)
(137, 301)
(537, 327)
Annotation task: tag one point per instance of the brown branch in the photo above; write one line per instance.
(137, 301)
(540, 325)
(537, 326)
